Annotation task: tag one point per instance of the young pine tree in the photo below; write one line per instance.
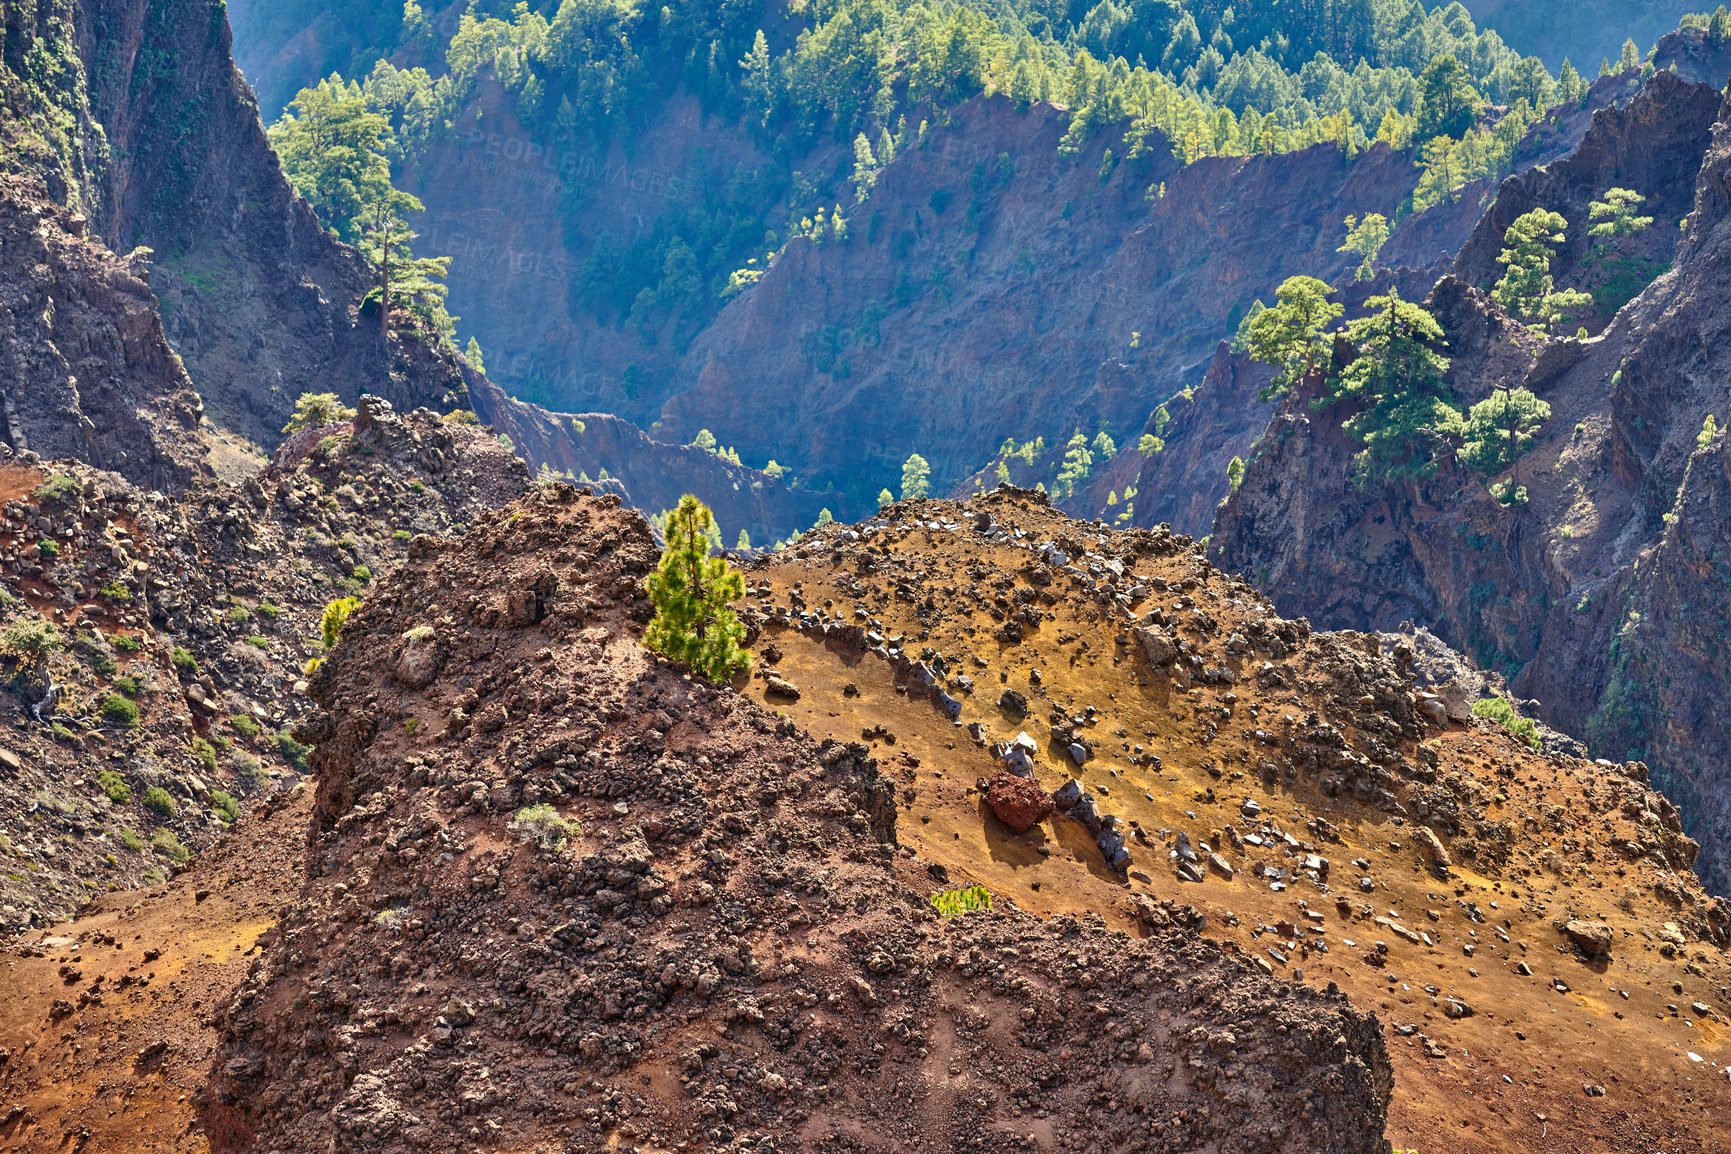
(694, 623)
(916, 478)
(1406, 421)
(1526, 290)
(1293, 335)
(1615, 218)
(1366, 238)
(1499, 431)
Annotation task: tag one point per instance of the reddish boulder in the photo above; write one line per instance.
(1019, 802)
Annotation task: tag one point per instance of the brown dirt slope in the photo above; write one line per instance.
(1308, 767)
(1603, 595)
(110, 1021)
(564, 895)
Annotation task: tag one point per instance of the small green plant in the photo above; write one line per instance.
(126, 642)
(59, 489)
(316, 410)
(949, 903)
(1502, 711)
(157, 800)
(694, 621)
(48, 547)
(402, 534)
(164, 843)
(247, 766)
(131, 840)
(205, 752)
(331, 626)
(126, 686)
(542, 826)
(363, 574)
(32, 638)
(117, 593)
(225, 806)
(244, 725)
(183, 661)
(268, 611)
(292, 751)
(238, 614)
(418, 486)
(257, 641)
(409, 725)
(114, 786)
(419, 633)
(118, 710)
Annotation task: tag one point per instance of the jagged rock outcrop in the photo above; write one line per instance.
(1596, 596)
(582, 876)
(85, 371)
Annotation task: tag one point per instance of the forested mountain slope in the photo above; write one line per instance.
(633, 178)
(1599, 587)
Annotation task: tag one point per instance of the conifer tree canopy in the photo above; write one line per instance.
(694, 623)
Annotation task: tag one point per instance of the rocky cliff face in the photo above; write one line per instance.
(1597, 595)
(155, 137)
(85, 370)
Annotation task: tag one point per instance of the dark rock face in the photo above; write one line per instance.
(85, 372)
(260, 303)
(641, 876)
(1598, 596)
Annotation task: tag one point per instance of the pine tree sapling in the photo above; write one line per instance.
(1292, 336)
(1366, 238)
(1235, 472)
(694, 623)
(916, 478)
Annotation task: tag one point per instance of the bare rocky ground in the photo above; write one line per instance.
(1301, 790)
(561, 895)
(201, 610)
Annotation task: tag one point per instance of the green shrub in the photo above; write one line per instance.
(247, 766)
(417, 486)
(257, 642)
(117, 593)
(131, 841)
(363, 574)
(32, 638)
(239, 614)
(102, 663)
(118, 710)
(1502, 711)
(244, 725)
(542, 826)
(157, 800)
(49, 548)
(292, 751)
(59, 489)
(402, 535)
(127, 686)
(114, 786)
(184, 661)
(225, 805)
(205, 752)
(952, 902)
(126, 642)
(164, 842)
(268, 611)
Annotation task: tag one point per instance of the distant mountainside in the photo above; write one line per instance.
(1584, 31)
